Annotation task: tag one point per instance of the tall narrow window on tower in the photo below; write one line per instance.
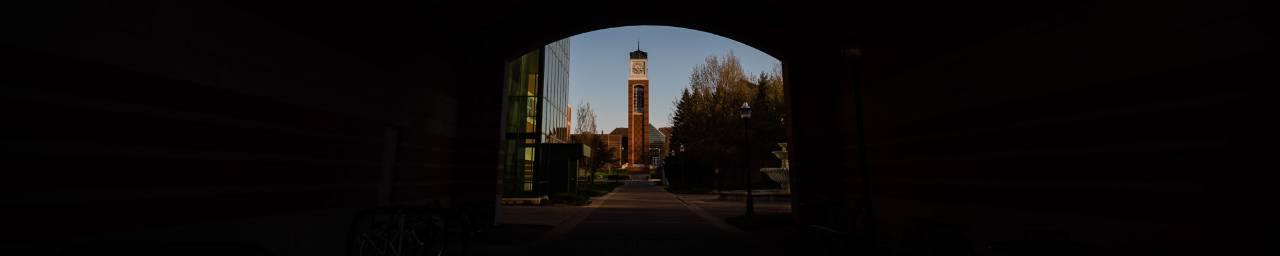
(639, 99)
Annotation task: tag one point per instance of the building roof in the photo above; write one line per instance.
(619, 131)
(656, 137)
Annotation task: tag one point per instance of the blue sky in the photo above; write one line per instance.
(598, 67)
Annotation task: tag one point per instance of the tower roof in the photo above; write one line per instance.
(638, 54)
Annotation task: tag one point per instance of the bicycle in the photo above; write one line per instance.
(407, 231)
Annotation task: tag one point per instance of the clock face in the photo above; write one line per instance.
(637, 68)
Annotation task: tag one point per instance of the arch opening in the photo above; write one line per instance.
(683, 151)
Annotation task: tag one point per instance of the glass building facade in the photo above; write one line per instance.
(555, 97)
(537, 100)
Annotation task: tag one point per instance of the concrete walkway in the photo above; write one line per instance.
(643, 219)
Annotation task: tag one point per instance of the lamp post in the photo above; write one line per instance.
(684, 174)
(718, 182)
(666, 165)
(745, 113)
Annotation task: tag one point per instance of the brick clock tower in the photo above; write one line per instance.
(638, 107)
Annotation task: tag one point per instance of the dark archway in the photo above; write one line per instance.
(672, 83)
(982, 126)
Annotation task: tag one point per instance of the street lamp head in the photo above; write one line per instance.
(745, 111)
(681, 148)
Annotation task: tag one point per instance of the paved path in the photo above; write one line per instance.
(642, 219)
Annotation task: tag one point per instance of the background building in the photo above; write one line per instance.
(666, 144)
(618, 141)
(568, 121)
(656, 141)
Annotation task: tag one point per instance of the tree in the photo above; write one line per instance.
(586, 119)
(601, 153)
(706, 119)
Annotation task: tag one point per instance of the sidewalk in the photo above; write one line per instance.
(643, 219)
(729, 208)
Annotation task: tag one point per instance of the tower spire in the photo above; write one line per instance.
(637, 45)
